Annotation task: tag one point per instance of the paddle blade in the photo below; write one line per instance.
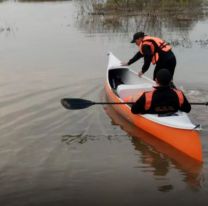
(75, 103)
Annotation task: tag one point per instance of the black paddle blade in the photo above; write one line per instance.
(75, 103)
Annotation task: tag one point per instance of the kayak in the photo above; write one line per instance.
(176, 129)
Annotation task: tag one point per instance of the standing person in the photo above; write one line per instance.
(163, 99)
(154, 50)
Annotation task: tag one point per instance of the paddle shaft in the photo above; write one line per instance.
(114, 102)
(199, 103)
(192, 103)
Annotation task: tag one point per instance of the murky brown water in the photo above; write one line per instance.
(52, 156)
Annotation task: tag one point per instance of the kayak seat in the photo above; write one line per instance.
(125, 90)
(116, 81)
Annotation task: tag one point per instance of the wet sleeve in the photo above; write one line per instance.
(136, 57)
(147, 58)
(139, 106)
(185, 107)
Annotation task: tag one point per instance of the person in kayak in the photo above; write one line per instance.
(154, 50)
(163, 99)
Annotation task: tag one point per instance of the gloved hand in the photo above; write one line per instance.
(140, 74)
(124, 63)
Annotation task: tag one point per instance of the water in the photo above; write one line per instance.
(52, 156)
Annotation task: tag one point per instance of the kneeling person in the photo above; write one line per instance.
(163, 99)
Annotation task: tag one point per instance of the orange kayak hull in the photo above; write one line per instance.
(185, 140)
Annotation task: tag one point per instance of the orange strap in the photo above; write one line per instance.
(148, 99)
(180, 96)
(155, 57)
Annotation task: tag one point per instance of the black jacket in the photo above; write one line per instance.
(164, 100)
(163, 57)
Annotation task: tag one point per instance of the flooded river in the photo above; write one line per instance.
(52, 156)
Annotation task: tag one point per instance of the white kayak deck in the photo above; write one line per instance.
(177, 120)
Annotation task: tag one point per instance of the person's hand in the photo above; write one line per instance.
(124, 63)
(140, 74)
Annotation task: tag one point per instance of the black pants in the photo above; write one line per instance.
(167, 61)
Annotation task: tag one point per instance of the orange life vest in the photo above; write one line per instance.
(156, 44)
(148, 98)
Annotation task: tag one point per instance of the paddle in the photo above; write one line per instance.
(76, 103)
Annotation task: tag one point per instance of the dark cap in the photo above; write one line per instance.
(163, 77)
(137, 36)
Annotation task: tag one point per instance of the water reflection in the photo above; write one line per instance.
(154, 17)
(159, 156)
